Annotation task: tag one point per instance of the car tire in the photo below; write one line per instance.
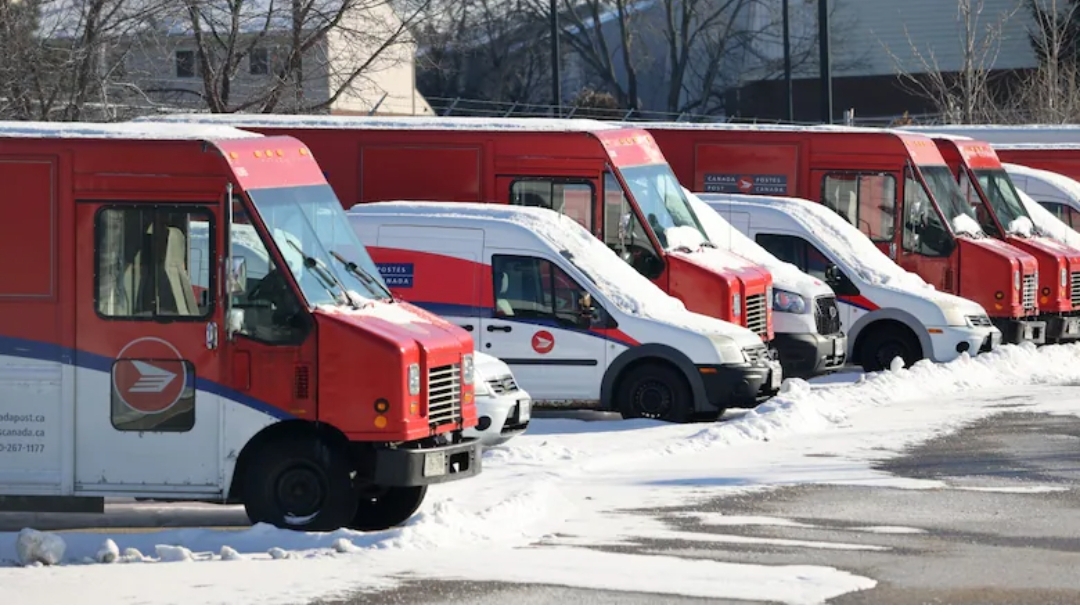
(386, 507)
(879, 349)
(655, 391)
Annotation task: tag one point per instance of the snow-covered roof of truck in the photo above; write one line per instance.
(958, 137)
(615, 278)
(1062, 146)
(1001, 134)
(757, 127)
(142, 131)
(493, 124)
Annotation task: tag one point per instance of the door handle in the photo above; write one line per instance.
(498, 328)
(468, 327)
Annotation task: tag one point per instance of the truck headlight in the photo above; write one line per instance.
(1064, 277)
(736, 304)
(467, 371)
(1016, 279)
(789, 302)
(414, 379)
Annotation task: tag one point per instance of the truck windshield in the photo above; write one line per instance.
(946, 192)
(663, 204)
(999, 190)
(309, 227)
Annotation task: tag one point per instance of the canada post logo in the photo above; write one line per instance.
(775, 185)
(397, 275)
(149, 375)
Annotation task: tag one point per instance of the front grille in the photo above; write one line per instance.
(1074, 289)
(444, 395)
(980, 321)
(756, 314)
(503, 385)
(756, 355)
(1028, 294)
(827, 315)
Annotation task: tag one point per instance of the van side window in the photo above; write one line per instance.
(797, 251)
(146, 267)
(268, 310)
(534, 288)
(573, 198)
(866, 201)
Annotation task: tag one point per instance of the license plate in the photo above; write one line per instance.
(1073, 327)
(524, 410)
(435, 464)
(1029, 333)
(777, 375)
(838, 346)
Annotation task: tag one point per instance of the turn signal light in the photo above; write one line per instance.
(380, 421)
(381, 405)
(1000, 295)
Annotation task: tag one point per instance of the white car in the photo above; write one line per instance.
(887, 312)
(504, 408)
(1055, 192)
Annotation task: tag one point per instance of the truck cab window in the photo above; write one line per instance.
(268, 310)
(533, 288)
(982, 214)
(924, 231)
(146, 267)
(798, 252)
(866, 201)
(571, 197)
(623, 232)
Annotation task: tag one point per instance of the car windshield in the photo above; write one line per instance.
(309, 227)
(1003, 197)
(946, 192)
(661, 199)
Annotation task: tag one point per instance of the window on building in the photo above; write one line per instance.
(146, 265)
(534, 288)
(185, 64)
(866, 201)
(571, 197)
(259, 61)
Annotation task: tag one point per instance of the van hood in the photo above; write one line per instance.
(932, 307)
(488, 366)
(803, 284)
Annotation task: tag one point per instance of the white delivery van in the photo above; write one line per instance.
(1055, 192)
(887, 312)
(806, 317)
(576, 324)
(504, 408)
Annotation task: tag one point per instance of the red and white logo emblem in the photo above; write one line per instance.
(543, 342)
(149, 375)
(746, 184)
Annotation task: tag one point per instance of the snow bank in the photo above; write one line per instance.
(35, 547)
(723, 235)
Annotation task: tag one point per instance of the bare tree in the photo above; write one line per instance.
(964, 94)
(1050, 93)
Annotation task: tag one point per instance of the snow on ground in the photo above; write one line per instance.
(547, 499)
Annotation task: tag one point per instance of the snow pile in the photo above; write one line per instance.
(683, 237)
(108, 553)
(173, 553)
(1048, 223)
(1022, 226)
(688, 243)
(39, 548)
(964, 224)
(623, 286)
(722, 235)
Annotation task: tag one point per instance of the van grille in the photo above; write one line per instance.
(1074, 289)
(1028, 294)
(756, 319)
(503, 385)
(756, 355)
(980, 321)
(826, 315)
(444, 395)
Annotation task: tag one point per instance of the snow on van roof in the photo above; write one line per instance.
(1060, 182)
(846, 243)
(494, 124)
(1048, 223)
(617, 280)
(723, 235)
(140, 131)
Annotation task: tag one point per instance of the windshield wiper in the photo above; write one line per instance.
(328, 280)
(363, 275)
(709, 244)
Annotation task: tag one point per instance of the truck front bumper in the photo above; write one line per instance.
(807, 355)
(407, 467)
(1015, 331)
(740, 385)
(1061, 328)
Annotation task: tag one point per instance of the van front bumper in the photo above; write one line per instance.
(955, 340)
(407, 467)
(809, 354)
(740, 385)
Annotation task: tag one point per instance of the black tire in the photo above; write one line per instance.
(654, 391)
(385, 507)
(300, 484)
(879, 349)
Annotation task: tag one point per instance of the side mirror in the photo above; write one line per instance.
(833, 274)
(237, 276)
(586, 311)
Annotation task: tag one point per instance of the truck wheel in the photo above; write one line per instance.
(654, 391)
(883, 345)
(300, 484)
(385, 507)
